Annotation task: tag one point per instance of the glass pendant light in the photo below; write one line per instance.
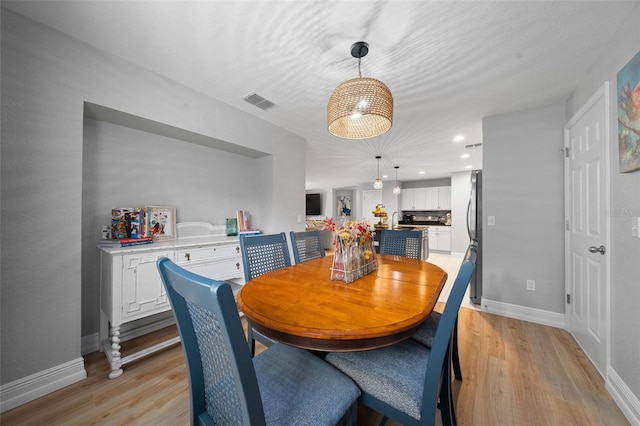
(396, 189)
(377, 184)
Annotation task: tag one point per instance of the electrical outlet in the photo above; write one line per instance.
(491, 220)
(531, 285)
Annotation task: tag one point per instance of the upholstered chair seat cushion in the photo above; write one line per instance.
(427, 330)
(394, 374)
(299, 388)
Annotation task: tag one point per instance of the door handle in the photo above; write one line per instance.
(594, 249)
(469, 218)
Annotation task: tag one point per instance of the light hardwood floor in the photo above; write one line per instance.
(515, 373)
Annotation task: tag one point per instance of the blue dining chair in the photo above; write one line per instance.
(283, 385)
(409, 244)
(307, 245)
(262, 254)
(401, 243)
(426, 333)
(405, 381)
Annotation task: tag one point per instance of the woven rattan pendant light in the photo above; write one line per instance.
(362, 107)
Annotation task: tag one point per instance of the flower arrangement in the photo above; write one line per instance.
(330, 224)
(354, 256)
(353, 232)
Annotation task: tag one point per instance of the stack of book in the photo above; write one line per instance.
(244, 223)
(126, 242)
(129, 227)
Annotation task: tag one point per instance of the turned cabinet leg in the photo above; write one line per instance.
(115, 360)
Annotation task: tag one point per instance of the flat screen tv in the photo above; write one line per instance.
(314, 205)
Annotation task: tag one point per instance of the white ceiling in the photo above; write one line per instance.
(447, 63)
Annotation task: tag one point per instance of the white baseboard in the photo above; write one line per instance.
(456, 254)
(90, 343)
(524, 313)
(623, 396)
(32, 387)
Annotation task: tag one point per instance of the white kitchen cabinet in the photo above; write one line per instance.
(414, 199)
(438, 198)
(131, 288)
(420, 198)
(440, 238)
(430, 198)
(444, 198)
(431, 202)
(406, 202)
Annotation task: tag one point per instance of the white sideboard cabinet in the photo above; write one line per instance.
(131, 288)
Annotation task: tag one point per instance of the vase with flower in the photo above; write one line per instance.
(354, 256)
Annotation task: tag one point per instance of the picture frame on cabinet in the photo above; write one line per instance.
(161, 222)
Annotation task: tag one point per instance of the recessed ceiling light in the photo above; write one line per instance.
(464, 156)
(469, 167)
(458, 138)
(385, 176)
(421, 172)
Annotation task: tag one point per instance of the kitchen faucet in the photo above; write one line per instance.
(392, 216)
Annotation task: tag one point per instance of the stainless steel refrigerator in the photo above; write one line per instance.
(474, 228)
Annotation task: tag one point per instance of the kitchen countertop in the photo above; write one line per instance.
(417, 226)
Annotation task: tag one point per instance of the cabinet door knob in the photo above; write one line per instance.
(238, 265)
(187, 256)
(237, 249)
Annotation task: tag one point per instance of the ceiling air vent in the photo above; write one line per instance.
(473, 145)
(259, 101)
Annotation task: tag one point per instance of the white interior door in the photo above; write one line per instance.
(370, 199)
(587, 204)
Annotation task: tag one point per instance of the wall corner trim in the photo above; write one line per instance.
(524, 313)
(628, 403)
(36, 385)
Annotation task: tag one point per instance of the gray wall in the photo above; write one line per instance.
(125, 167)
(625, 204)
(523, 174)
(46, 79)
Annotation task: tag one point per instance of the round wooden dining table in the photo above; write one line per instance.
(301, 306)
